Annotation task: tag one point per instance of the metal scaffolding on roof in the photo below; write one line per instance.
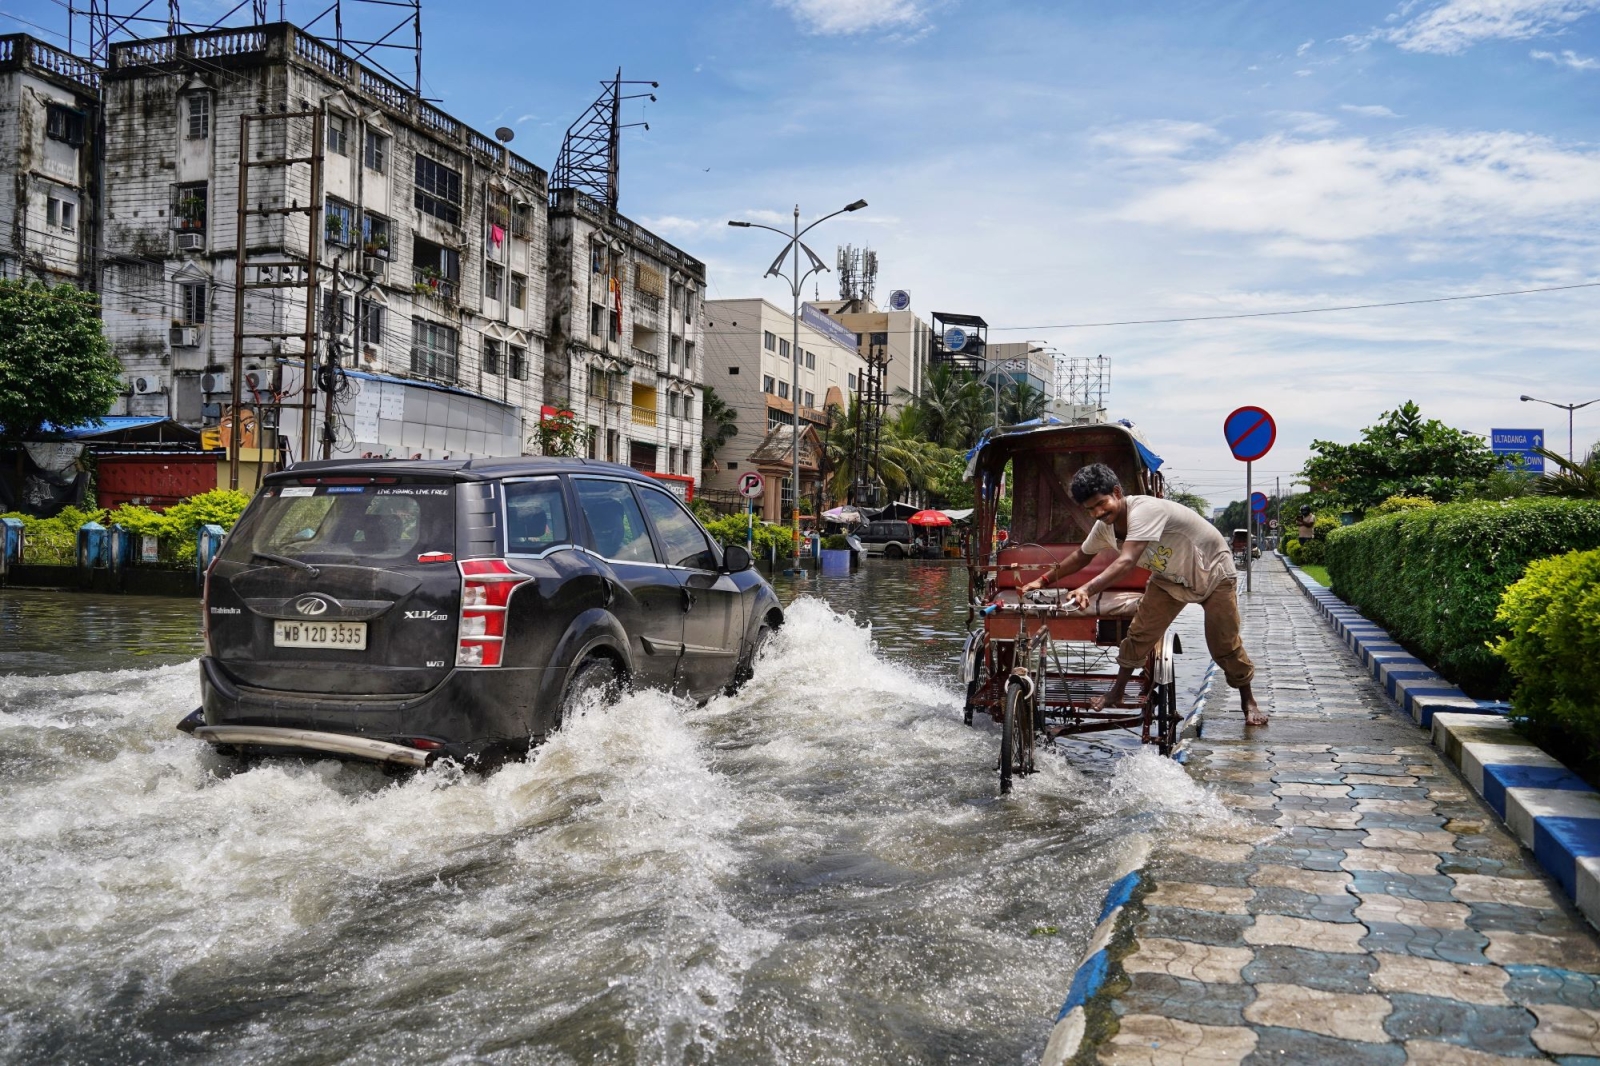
(591, 152)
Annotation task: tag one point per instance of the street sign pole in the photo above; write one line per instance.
(1250, 526)
(750, 524)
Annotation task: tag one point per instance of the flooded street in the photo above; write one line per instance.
(818, 870)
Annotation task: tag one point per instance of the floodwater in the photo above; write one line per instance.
(818, 870)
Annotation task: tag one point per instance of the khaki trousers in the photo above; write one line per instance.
(1159, 607)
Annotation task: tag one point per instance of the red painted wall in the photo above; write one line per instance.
(154, 480)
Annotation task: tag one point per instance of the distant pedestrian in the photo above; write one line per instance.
(1189, 563)
(1308, 523)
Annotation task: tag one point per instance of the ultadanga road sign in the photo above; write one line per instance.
(751, 485)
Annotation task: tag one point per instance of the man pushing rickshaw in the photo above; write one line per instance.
(1189, 562)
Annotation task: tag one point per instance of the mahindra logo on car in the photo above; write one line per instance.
(311, 605)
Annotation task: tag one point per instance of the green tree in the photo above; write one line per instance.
(1021, 402)
(1402, 455)
(55, 364)
(1578, 480)
(718, 425)
(905, 460)
(944, 407)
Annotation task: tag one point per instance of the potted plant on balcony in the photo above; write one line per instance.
(192, 212)
(376, 245)
(335, 228)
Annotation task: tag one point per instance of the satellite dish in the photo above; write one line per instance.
(899, 300)
(504, 134)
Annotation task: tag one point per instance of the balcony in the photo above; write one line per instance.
(426, 281)
(644, 416)
(643, 360)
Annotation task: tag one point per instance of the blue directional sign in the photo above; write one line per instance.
(1258, 502)
(1519, 442)
(1251, 432)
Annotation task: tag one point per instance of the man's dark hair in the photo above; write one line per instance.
(1096, 479)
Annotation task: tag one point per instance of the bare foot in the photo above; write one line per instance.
(1110, 699)
(1253, 714)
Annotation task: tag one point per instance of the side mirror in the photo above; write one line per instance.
(736, 557)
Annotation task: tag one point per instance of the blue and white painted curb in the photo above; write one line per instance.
(1545, 805)
(1419, 691)
(1067, 1036)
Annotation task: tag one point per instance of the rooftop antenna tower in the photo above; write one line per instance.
(858, 275)
(1083, 380)
(94, 25)
(591, 151)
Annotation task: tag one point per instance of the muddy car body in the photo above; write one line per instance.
(406, 611)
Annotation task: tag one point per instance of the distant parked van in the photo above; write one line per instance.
(892, 540)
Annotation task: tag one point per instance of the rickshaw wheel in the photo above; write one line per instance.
(1016, 738)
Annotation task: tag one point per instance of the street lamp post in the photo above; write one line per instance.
(796, 279)
(1567, 407)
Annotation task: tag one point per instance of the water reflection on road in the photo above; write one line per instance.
(816, 871)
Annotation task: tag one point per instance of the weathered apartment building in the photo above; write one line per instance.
(626, 329)
(48, 108)
(447, 274)
(420, 243)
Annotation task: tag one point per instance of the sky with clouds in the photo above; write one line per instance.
(1048, 164)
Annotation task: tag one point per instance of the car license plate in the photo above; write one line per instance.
(350, 636)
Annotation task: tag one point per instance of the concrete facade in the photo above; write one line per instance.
(1030, 362)
(748, 362)
(449, 229)
(48, 111)
(900, 335)
(626, 351)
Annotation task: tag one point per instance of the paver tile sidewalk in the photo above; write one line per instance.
(1365, 906)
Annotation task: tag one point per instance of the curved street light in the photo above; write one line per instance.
(1567, 407)
(796, 280)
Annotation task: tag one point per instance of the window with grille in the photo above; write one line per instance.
(519, 363)
(519, 290)
(375, 151)
(433, 350)
(491, 356)
(371, 322)
(494, 281)
(199, 115)
(339, 220)
(438, 191)
(521, 219)
(688, 356)
(65, 124)
(339, 134)
(192, 303)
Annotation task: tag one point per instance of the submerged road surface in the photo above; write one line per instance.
(816, 871)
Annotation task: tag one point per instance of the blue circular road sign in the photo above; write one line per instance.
(1258, 502)
(955, 339)
(1250, 432)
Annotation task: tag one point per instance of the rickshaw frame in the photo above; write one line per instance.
(1034, 667)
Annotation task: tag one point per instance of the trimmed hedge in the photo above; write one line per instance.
(1553, 615)
(1434, 577)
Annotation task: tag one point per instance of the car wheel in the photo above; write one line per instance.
(596, 680)
(894, 551)
(747, 665)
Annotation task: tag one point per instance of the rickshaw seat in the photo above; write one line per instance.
(1043, 555)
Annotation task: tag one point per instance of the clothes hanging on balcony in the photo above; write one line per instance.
(496, 235)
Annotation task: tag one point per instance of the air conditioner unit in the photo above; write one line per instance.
(258, 380)
(214, 382)
(191, 242)
(185, 337)
(142, 384)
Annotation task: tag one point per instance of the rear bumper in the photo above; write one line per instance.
(468, 714)
(245, 736)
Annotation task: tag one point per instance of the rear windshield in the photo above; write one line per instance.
(331, 523)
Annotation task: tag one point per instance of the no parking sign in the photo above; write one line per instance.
(1250, 433)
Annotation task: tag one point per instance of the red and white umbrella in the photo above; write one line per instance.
(929, 518)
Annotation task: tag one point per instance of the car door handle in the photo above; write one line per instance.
(688, 600)
(605, 583)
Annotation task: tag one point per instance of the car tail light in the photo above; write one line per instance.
(486, 587)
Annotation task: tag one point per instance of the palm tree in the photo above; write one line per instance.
(905, 460)
(1021, 402)
(718, 425)
(946, 398)
(1574, 480)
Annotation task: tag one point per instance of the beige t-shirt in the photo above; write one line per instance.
(1184, 549)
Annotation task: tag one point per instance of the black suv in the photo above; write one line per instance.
(404, 611)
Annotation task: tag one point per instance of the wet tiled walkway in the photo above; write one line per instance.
(1365, 907)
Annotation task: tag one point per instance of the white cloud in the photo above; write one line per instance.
(1303, 49)
(1568, 58)
(1302, 194)
(1456, 25)
(1306, 121)
(853, 16)
(1158, 139)
(1368, 110)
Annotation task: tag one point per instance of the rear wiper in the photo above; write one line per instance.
(286, 561)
